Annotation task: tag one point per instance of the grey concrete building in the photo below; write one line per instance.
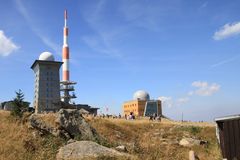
(47, 83)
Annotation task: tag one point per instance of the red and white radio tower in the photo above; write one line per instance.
(65, 50)
(66, 84)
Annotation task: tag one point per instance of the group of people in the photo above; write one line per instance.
(131, 116)
(110, 116)
(154, 117)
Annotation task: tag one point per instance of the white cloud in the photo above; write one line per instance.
(141, 13)
(204, 5)
(199, 84)
(190, 93)
(228, 30)
(101, 44)
(166, 101)
(170, 102)
(204, 89)
(133, 14)
(181, 101)
(6, 45)
(225, 61)
(45, 39)
(101, 40)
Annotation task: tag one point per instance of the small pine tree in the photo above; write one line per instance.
(19, 106)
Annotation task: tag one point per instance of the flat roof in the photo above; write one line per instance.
(46, 62)
(225, 118)
(134, 101)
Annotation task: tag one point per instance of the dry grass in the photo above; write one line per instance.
(144, 139)
(18, 143)
(50, 118)
(158, 140)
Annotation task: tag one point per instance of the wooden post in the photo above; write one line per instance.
(191, 155)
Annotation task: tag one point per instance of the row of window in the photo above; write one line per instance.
(47, 95)
(47, 78)
(131, 110)
(130, 105)
(49, 73)
(49, 101)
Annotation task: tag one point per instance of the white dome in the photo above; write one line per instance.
(46, 56)
(141, 95)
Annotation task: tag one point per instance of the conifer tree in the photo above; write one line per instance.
(19, 106)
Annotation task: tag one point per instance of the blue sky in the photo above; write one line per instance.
(187, 53)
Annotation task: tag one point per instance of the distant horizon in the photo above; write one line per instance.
(186, 53)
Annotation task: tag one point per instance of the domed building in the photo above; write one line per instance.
(47, 83)
(142, 105)
(141, 95)
(46, 56)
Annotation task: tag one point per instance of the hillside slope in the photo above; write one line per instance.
(159, 140)
(18, 142)
(144, 139)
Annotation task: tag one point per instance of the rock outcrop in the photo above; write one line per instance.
(69, 124)
(72, 122)
(189, 142)
(81, 150)
(42, 126)
(121, 148)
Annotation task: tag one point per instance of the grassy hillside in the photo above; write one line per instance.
(154, 140)
(18, 142)
(146, 140)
